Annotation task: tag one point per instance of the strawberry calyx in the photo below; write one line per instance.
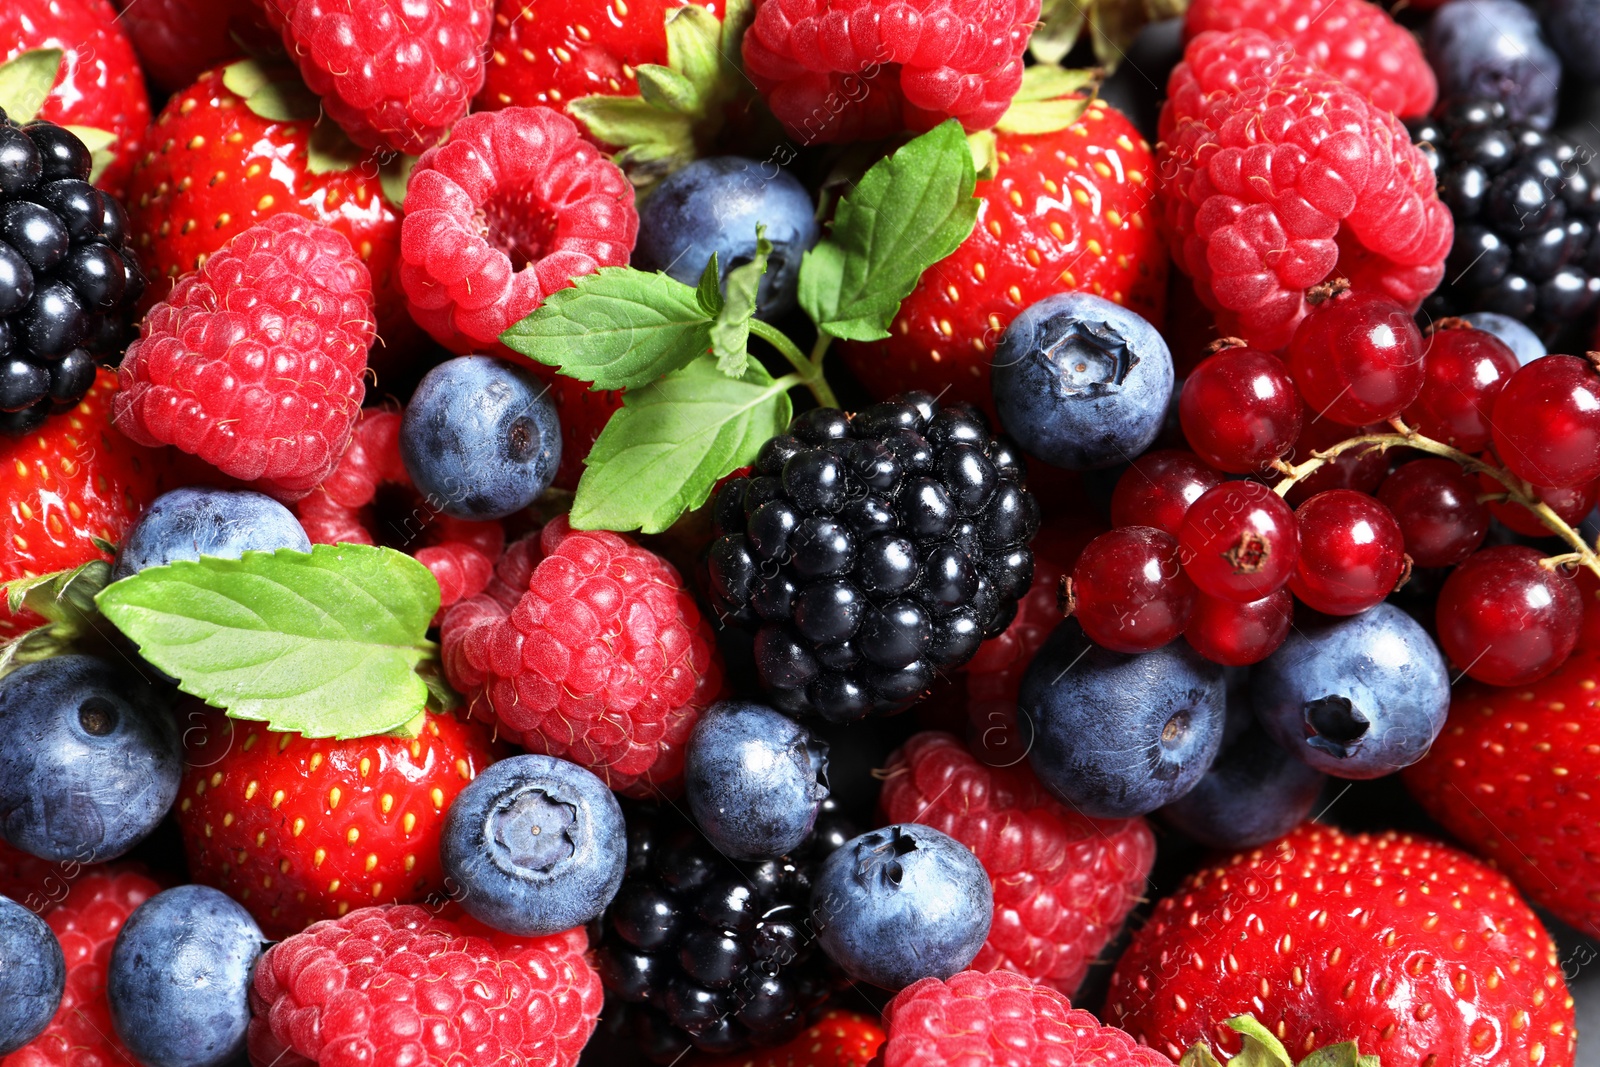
(1112, 24)
(65, 600)
(1263, 1049)
(26, 80)
(1051, 99)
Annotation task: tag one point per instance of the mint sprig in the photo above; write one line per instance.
(730, 333)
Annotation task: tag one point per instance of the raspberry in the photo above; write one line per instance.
(1000, 1019)
(1063, 883)
(254, 362)
(833, 72)
(587, 647)
(1353, 40)
(392, 76)
(511, 209)
(1275, 175)
(397, 985)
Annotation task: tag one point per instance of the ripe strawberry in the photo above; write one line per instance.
(299, 829)
(583, 413)
(177, 40)
(75, 479)
(1417, 952)
(837, 1039)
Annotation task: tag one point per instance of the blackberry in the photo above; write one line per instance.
(704, 951)
(1527, 214)
(68, 278)
(870, 551)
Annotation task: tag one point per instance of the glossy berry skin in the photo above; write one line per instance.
(754, 779)
(1357, 358)
(1240, 410)
(1464, 370)
(1505, 619)
(178, 40)
(1120, 735)
(1494, 50)
(1436, 504)
(1254, 793)
(1235, 634)
(89, 759)
(1158, 487)
(179, 981)
(32, 976)
(1547, 422)
(1352, 552)
(1129, 592)
(536, 846)
(1523, 342)
(190, 523)
(1239, 542)
(1355, 698)
(900, 904)
(1571, 505)
(837, 1039)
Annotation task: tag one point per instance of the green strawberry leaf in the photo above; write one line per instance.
(324, 642)
(666, 89)
(25, 80)
(694, 50)
(708, 294)
(730, 334)
(619, 328)
(274, 92)
(65, 600)
(1060, 23)
(909, 211)
(1261, 1048)
(662, 453)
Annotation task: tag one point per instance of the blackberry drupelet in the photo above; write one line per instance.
(870, 551)
(705, 951)
(1527, 213)
(68, 277)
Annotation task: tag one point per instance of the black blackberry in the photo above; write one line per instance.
(68, 278)
(705, 951)
(870, 551)
(1527, 214)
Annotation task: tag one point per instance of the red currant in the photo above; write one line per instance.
(1128, 592)
(1570, 504)
(1236, 635)
(1357, 358)
(1239, 542)
(1360, 469)
(1351, 552)
(1436, 504)
(1547, 422)
(1505, 618)
(1239, 410)
(1158, 487)
(1463, 371)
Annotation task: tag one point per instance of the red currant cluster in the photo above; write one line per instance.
(1411, 443)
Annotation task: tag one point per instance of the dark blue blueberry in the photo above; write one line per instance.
(536, 844)
(1255, 792)
(713, 205)
(89, 759)
(179, 981)
(902, 903)
(33, 974)
(1358, 697)
(1082, 383)
(1493, 49)
(1119, 735)
(754, 779)
(1523, 342)
(480, 438)
(190, 523)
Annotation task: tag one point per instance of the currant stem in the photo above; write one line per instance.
(809, 371)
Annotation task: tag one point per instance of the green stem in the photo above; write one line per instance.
(809, 371)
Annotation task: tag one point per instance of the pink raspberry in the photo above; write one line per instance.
(399, 985)
(587, 647)
(513, 207)
(852, 72)
(1274, 176)
(254, 362)
(1000, 1019)
(392, 75)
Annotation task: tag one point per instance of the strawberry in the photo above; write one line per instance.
(837, 1039)
(177, 40)
(583, 413)
(1068, 209)
(1510, 776)
(1417, 952)
(299, 829)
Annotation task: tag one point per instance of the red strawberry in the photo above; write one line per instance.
(177, 40)
(838, 1039)
(1417, 952)
(299, 829)
(583, 413)
(99, 84)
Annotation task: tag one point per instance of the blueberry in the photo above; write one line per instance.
(1523, 342)
(1358, 697)
(89, 759)
(536, 844)
(179, 980)
(1255, 792)
(713, 205)
(755, 779)
(1573, 27)
(190, 523)
(480, 438)
(1082, 383)
(1119, 735)
(1493, 49)
(33, 974)
(902, 903)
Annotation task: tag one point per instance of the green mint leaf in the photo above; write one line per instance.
(25, 80)
(694, 50)
(1261, 1047)
(709, 292)
(324, 643)
(273, 92)
(1060, 23)
(619, 328)
(665, 88)
(662, 453)
(908, 212)
(730, 334)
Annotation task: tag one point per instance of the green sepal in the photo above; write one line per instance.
(667, 90)
(730, 333)
(65, 600)
(99, 143)
(393, 176)
(1199, 1056)
(1060, 23)
(1050, 99)
(274, 92)
(26, 80)
(330, 149)
(1263, 1049)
